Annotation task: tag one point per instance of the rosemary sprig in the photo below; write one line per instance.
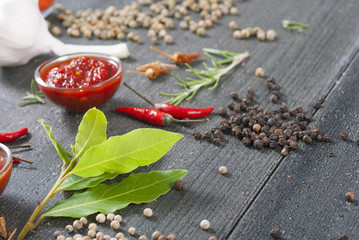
(209, 77)
(36, 96)
(292, 25)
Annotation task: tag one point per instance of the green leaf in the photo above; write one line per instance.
(122, 154)
(74, 182)
(92, 131)
(137, 188)
(65, 155)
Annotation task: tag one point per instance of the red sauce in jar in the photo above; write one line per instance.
(79, 72)
(44, 4)
(4, 173)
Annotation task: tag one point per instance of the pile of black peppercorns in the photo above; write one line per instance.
(254, 126)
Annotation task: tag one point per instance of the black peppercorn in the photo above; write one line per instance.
(293, 111)
(196, 135)
(349, 196)
(286, 115)
(307, 139)
(217, 141)
(207, 135)
(218, 134)
(266, 142)
(179, 185)
(234, 95)
(258, 144)
(293, 145)
(358, 142)
(231, 105)
(319, 138)
(273, 144)
(275, 233)
(344, 136)
(246, 141)
(282, 142)
(308, 117)
(222, 111)
(237, 108)
(343, 237)
(271, 122)
(317, 105)
(327, 138)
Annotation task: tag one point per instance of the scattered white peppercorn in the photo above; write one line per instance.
(183, 25)
(154, 40)
(69, 228)
(99, 235)
(110, 217)
(86, 238)
(61, 237)
(77, 236)
(261, 35)
(259, 72)
(132, 230)
(69, 238)
(107, 237)
(171, 237)
(148, 212)
(155, 235)
(245, 33)
(83, 220)
(201, 31)
(223, 169)
(120, 235)
(101, 218)
(118, 218)
(113, 239)
(59, 7)
(237, 34)
(233, 11)
(115, 224)
(56, 30)
(57, 233)
(205, 224)
(233, 25)
(91, 233)
(168, 39)
(92, 226)
(77, 224)
(271, 35)
(142, 237)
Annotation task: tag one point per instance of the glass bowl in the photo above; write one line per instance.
(5, 166)
(80, 99)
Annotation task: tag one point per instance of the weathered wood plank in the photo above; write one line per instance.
(305, 65)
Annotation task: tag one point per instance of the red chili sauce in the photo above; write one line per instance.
(79, 72)
(4, 173)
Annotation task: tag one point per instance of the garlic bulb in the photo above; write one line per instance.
(24, 35)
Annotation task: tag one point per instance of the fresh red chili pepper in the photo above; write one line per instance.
(153, 116)
(11, 136)
(176, 111)
(14, 160)
(177, 57)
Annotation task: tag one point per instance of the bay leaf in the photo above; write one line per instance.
(74, 182)
(91, 132)
(136, 188)
(64, 155)
(123, 154)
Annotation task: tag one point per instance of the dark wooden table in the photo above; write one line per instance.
(301, 194)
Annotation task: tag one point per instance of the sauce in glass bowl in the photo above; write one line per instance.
(78, 82)
(5, 166)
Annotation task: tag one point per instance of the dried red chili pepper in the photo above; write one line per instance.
(152, 73)
(177, 57)
(11, 136)
(176, 111)
(153, 116)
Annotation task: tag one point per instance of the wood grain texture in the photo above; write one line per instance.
(306, 66)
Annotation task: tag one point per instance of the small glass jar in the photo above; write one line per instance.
(5, 166)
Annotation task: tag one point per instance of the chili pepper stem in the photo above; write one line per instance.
(137, 72)
(173, 58)
(23, 160)
(138, 94)
(190, 121)
(20, 146)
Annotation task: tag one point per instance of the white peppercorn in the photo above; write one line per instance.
(110, 217)
(142, 237)
(132, 230)
(259, 72)
(91, 233)
(61, 237)
(183, 25)
(233, 11)
(83, 220)
(261, 35)
(171, 237)
(162, 33)
(115, 224)
(86, 238)
(59, 7)
(201, 31)
(237, 34)
(77, 224)
(99, 235)
(57, 233)
(69, 238)
(271, 35)
(245, 33)
(120, 235)
(168, 39)
(205, 224)
(100, 218)
(77, 236)
(92, 226)
(56, 30)
(69, 228)
(148, 212)
(155, 235)
(233, 25)
(223, 169)
(107, 237)
(118, 218)
(154, 40)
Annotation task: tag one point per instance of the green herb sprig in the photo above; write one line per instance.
(209, 77)
(96, 159)
(292, 25)
(36, 96)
